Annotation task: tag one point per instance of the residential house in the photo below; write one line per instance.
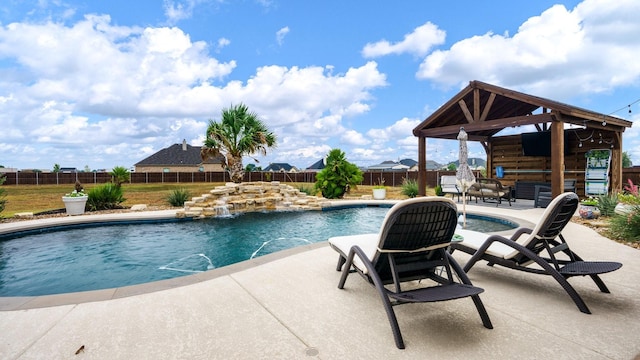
(474, 163)
(317, 166)
(412, 164)
(179, 158)
(281, 167)
(388, 165)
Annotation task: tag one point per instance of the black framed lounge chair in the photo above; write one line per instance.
(412, 245)
(540, 246)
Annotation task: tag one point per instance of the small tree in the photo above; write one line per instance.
(56, 168)
(626, 160)
(338, 176)
(119, 175)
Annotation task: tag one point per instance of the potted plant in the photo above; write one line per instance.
(379, 191)
(589, 208)
(75, 201)
(628, 200)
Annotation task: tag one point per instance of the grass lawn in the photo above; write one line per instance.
(39, 198)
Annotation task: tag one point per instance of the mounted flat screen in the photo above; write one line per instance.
(539, 143)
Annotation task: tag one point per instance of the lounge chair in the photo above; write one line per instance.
(545, 239)
(412, 245)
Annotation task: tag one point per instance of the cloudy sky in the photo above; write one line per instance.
(108, 83)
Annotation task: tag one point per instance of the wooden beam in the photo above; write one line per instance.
(557, 158)
(422, 166)
(488, 149)
(487, 107)
(476, 104)
(465, 110)
(616, 164)
(497, 124)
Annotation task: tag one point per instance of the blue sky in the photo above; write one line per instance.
(108, 83)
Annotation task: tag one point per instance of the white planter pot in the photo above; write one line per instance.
(75, 205)
(379, 194)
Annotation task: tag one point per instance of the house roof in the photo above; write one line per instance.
(408, 162)
(502, 108)
(178, 154)
(389, 165)
(279, 167)
(318, 165)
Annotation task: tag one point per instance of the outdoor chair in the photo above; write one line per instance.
(411, 245)
(449, 185)
(539, 247)
(542, 194)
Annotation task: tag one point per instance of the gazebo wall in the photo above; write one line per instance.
(507, 152)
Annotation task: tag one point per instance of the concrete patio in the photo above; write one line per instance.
(287, 306)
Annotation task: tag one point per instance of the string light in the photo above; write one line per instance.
(626, 107)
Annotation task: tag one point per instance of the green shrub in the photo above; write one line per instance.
(626, 227)
(3, 194)
(338, 176)
(105, 197)
(607, 204)
(177, 197)
(438, 190)
(409, 188)
(307, 189)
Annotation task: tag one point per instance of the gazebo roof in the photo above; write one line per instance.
(484, 109)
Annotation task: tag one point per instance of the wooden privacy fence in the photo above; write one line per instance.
(391, 178)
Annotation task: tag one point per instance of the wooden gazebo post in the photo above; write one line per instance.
(557, 156)
(422, 165)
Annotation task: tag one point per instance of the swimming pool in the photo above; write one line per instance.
(89, 257)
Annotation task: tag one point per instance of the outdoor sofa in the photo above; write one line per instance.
(490, 189)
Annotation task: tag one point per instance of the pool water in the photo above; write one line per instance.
(90, 258)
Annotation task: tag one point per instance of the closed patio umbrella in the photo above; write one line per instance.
(464, 175)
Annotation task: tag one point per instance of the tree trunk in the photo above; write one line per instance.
(236, 171)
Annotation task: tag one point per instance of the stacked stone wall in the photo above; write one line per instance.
(234, 198)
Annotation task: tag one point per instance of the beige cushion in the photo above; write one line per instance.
(474, 240)
(367, 242)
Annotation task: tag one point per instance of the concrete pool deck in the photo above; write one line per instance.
(287, 306)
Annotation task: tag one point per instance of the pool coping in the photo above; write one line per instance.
(33, 302)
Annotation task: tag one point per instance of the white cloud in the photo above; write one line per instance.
(594, 45)
(222, 43)
(129, 89)
(418, 42)
(176, 10)
(353, 137)
(280, 34)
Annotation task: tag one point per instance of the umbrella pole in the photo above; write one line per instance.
(464, 210)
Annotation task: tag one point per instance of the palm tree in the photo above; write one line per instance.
(119, 175)
(240, 132)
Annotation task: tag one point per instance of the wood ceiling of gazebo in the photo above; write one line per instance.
(484, 109)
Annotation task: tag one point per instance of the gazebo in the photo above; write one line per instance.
(568, 132)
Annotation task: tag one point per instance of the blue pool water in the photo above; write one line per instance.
(99, 257)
